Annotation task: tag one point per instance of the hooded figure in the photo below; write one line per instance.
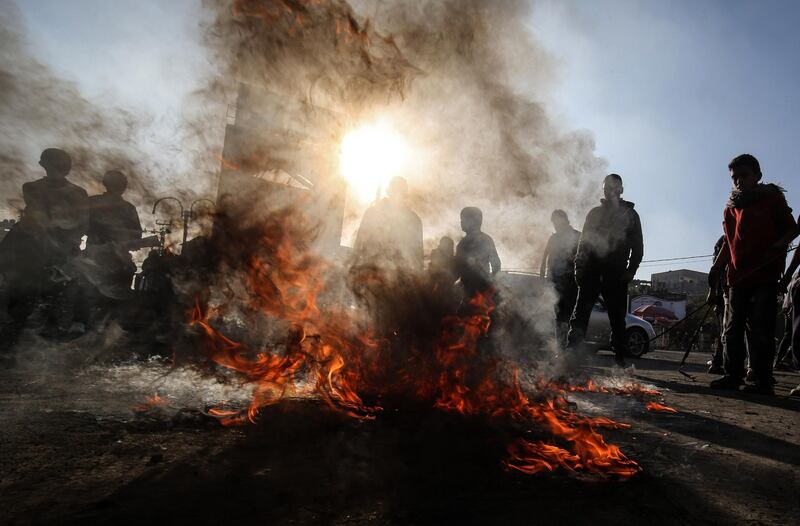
(609, 253)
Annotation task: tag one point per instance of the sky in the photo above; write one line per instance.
(671, 90)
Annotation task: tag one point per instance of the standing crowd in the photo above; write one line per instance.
(43, 251)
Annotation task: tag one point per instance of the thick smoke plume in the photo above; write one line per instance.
(39, 109)
(462, 80)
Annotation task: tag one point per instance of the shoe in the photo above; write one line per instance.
(784, 367)
(620, 362)
(716, 369)
(795, 393)
(751, 376)
(726, 382)
(759, 388)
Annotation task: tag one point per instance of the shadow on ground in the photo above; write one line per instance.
(302, 465)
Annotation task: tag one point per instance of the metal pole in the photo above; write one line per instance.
(186, 214)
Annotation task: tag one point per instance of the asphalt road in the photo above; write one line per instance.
(72, 450)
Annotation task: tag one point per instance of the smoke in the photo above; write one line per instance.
(39, 109)
(476, 113)
(461, 80)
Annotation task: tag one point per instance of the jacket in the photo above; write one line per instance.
(611, 241)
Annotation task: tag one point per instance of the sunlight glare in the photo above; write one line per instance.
(370, 156)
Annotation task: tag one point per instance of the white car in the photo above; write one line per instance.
(638, 332)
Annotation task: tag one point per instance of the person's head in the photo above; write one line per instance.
(612, 187)
(745, 171)
(560, 220)
(447, 245)
(57, 163)
(398, 190)
(115, 182)
(471, 219)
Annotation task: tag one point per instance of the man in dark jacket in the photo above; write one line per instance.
(34, 254)
(609, 253)
(558, 266)
(758, 226)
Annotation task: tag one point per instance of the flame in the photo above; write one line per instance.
(655, 406)
(151, 403)
(331, 356)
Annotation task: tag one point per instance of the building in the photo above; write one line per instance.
(681, 281)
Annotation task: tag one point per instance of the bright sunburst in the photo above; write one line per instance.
(370, 156)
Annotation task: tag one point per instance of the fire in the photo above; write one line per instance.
(655, 406)
(331, 356)
(151, 403)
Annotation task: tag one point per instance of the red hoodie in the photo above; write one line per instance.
(753, 223)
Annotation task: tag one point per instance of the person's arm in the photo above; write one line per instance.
(637, 248)
(543, 266)
(785, 222)
(720, 262)
(133, 226)
(494, 259)
(791, 269)
(419, 251)
(459, 264)
(36, 212)
(584, 247)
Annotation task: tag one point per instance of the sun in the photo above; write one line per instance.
(369, 157)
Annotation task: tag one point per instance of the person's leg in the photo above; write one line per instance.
(761, 319)
(716, 359)
(795, 313)
(719, 314)
(734, 353)
(615, 295)
(786, 340)
(578, 323)
(20, 304)
(567, 291)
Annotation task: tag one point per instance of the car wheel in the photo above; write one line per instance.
(637, 341)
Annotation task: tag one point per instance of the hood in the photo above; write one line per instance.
(741, 199)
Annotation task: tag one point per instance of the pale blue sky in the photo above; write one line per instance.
(671, 90)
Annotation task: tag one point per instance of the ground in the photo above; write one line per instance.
(74, 452)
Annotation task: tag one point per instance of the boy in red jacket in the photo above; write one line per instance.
(758, 226)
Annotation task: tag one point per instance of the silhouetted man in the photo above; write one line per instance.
(390, 235)
(477, 261)
(758, 226)
(609, 253)
(114, 229)
(558, 265)
(48, 235)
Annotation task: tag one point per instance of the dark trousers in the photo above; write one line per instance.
(791, 337)
(567, 291)
(786, 340)
(719, 314)
(615, 296)
(751, 310)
